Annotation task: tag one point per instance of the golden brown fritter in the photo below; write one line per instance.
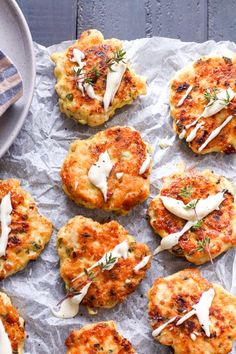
(102, 338)
(206, 73)
(218, 228)
(13, 324)
(98, 54)
(29, 233)
(81, 243)
(127, 151)
(174, 296)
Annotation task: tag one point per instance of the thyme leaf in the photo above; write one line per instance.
(186, 191)
(191, 205)
(197, 225)
(109, 261)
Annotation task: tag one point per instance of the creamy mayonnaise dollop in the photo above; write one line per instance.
(5, 344)
(70, 306)
(201, 310)
(215, 106)
(142, 263)
(5, 218)
(100, 171)
(114, 78)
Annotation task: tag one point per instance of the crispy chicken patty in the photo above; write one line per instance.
(102, 338)
(217, 230)
(174, 296)
(127, 152)
(13, 324)
(29, 233)
(98, 55)
(81, 243)
(207, 73)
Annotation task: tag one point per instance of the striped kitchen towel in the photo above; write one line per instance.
(11, 86)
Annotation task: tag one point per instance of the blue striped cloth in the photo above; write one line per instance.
(11, 86)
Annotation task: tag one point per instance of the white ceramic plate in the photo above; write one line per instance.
(16, 42)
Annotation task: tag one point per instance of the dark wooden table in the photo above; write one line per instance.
(52, 21)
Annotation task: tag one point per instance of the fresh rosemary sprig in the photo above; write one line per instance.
(88, 80)
(118, 56)
(109, 261)
(186, 191)
(90, 274)
(210, 95)
(95, 72)
(202, 244)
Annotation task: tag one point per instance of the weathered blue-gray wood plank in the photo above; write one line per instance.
(222, 20)
(50, 21)
(129, 19)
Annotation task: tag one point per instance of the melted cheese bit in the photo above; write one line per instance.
(176, 207)
(202, 209)
(114, 78)
(119, 175)
(142, 264)
(193, 336)
(70, 306)
(5, 344)
(201, 310)
(215, 106)
(90, 91)
(5, 218)
(166, 142)
(172, 239)
(119, 251)
(181, 101)
(100, 171)
(215, 132)
(193, 133)
(145, 164)
(158, 330)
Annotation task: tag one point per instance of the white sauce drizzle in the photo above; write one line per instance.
(182, 134)
(119, 251)
(201, 310)
(181, 101)
(193, 336)
(193, 133)
(159, 329)
(215, 132)
(5, 218)
(78, 56)
(70, 306)
(113, 82)
(172, 239)
(119, 175)
(100, 171)
(203, 208)
(142, 264)
(215, 106)
(145, 164)
(5, 344)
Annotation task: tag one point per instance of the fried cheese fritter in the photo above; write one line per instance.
(126, 186)
(174, 296)
(29, 233)
(201, 82)
(214, 234)
(13, 324)
(102, 338)
(81, 243)
(99, 58)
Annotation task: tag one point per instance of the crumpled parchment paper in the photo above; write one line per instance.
(36, 157)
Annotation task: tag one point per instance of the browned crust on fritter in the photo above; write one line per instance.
(97, 51)
(219, 226)
(81, 243)
(29, 233)
(127, 149)
(208, 72)
(102, 337)
(13, 324)
(174, 296)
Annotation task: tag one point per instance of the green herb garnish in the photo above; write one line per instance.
(197, 225)
(109, 261)
(186, 191)
(118, 56)
(191, 205)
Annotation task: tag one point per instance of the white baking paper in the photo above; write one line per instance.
(36, 157)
